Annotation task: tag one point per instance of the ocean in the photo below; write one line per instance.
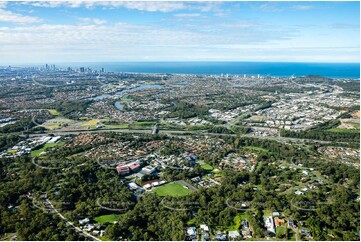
(281, 69)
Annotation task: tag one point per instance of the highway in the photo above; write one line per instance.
(175, 133)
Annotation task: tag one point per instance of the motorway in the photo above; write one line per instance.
(176, 133)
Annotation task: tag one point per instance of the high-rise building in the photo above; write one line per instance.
(82, 69)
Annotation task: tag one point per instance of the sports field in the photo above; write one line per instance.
(172, 190)
(35, 153)
(53, 112)
(207, 167)
(110, 218)
(91, 122)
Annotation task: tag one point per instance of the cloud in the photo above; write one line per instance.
(141, 6)
(149, 6)
(345, 26)
(186, 15)
(8, 16)
(127, 42)
(55, 4)
(302, 7)
(270, 7)
(95, 21)
(3, 4)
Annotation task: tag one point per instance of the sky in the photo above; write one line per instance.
(80, 31)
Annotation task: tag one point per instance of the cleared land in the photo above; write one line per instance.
(53, 112)
(126, 99)
(172, 190)
(90, 123)
(207, 167)
(110, 218)
(36, 153)
(338, 130)
(57, 123)
(254, 148)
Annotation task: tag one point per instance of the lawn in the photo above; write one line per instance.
(144, 123)
(172, 190)
(254, 148)
(57, 122)
(207, 167)
(110, 218)
(53, 112)
(280, 229)
(216, 171)
(340, 130)
(191, 221)
(237, 222)
(267, 212)
(116, 126)
(91, 122)
(354, 124)
(53, 126)
(125, 99)
(37, 152)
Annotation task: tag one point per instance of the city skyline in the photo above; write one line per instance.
(58, 32)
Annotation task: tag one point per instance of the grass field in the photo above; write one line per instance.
(115, 126)
(144, 123)
(57, 122)
(53, 112)
(254, 148)
(172, 190)
(191, 221)
(216, 171)
(207, 167)
(110, 218)
(354, 124)
(90, 123)
(280, 229)
(36, 153)
(267, 212)
(339, 130)
(237, 222)
(125, 99)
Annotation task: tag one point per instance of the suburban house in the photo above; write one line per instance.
(233, 235)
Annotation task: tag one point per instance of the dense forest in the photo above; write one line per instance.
(77, 191)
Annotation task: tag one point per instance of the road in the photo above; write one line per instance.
(70, 224)
(176, 132)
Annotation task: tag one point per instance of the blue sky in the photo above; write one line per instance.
(39, 32)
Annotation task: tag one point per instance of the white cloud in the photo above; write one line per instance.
(270, 7)
(187, 15)
(149, 6)
(345, 26)
(142, 6)
(55, 4)
(8, 16)
(96, 21)
(302, 7)
(3, 4)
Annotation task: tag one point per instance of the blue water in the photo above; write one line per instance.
(333, 70)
